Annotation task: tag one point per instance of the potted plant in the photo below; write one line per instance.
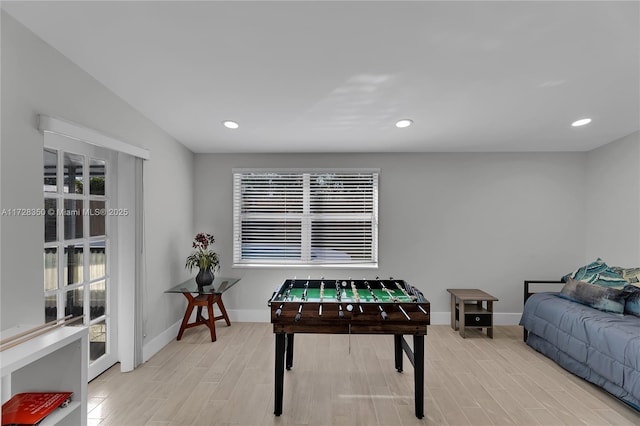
(204, 258)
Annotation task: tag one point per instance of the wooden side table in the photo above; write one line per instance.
(467, 310)
(203, 301)
(205, 298)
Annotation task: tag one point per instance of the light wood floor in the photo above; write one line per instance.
(472, 381)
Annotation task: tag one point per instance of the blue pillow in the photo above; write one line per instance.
(632, 303)
(605, 299)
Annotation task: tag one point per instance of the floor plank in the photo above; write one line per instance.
(337, 380)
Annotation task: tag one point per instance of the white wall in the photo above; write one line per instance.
(613, 202)
(484, 221)
(36, 79)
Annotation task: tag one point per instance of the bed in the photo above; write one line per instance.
(601, 347)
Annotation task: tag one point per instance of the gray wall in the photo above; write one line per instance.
(446, 220)
(613, 202)
(36, 79)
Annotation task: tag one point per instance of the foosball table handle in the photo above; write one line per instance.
(299, 314)
(383, 313)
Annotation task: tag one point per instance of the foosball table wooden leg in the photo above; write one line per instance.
(289, 363)
(279, 372)
(397, 345)
(418, 374)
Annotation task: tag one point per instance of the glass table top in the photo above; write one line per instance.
(218, 286)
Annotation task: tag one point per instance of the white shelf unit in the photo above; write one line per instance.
(56, 361)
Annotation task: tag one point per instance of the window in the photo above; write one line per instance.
(305, 218)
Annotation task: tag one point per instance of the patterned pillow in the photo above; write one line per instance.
(631, 275)
(598, 273)
(632, 304)
(606, 299)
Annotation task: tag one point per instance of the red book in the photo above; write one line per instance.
(29, 408)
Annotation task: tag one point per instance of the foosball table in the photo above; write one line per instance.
(350, 307)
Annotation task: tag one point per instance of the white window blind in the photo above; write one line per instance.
(305, 218)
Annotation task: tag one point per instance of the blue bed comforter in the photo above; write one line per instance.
(600, 347)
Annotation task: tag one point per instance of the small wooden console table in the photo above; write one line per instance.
(467, 310)
(204, 299)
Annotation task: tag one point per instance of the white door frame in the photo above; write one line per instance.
(129, 301)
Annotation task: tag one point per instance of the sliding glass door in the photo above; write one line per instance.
(79, 237)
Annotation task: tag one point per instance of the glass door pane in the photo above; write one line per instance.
(73, 264)
(97, 260)
(50, 220)
(97, 176)
(97, 218)
(74, 302)
(50, 269)
(50, 170)
(50, 308)
(97, 340)
(73, 223)
(73, 176)
(98, 299)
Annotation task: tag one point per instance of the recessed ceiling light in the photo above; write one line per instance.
(404, 123)
(581, 122)
(230, 124)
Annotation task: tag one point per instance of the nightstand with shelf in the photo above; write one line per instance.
(468, 311)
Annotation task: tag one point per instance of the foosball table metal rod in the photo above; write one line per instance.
(339, 299)
(304, 299)
(404, 312)
(375, 298)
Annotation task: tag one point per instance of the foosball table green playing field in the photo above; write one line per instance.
(335, 306)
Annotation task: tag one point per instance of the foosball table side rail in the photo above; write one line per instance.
(331, 311)
(350, 328)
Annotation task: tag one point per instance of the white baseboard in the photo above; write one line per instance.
(249, 315)
(152, 347)
(506, 318)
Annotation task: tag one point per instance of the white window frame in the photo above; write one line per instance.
(306, 218)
